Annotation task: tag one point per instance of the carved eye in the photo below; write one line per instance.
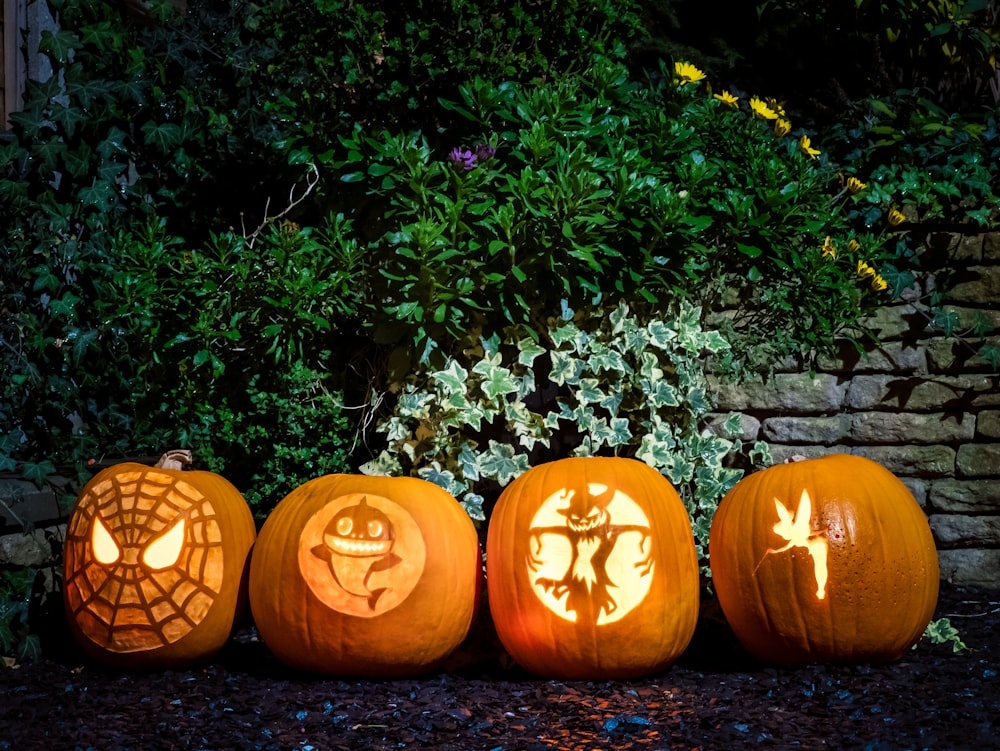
(375, 529)
(164, 551)
(344, 525)
(106, 550)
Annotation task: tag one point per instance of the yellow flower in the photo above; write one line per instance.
(896, 217)
(687, 73)
(828, 249)
(853, 246)
(806, 148)
(761, 110)
(878, 283)
(855, 185)
(727, 99)
(865, 270)
(782, 127)
(775, 105)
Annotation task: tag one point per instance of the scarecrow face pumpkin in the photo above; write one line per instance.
(824, 560)
(371, 576)
(154, 559)
(592, 569)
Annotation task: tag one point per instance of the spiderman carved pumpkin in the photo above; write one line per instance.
(155, 562)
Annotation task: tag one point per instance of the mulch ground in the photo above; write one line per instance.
(716, 697)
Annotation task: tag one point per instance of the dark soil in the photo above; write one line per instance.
(716, 697)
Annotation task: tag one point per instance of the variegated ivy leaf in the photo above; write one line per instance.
(584, 417)
(443, 478)
(566, 368)
(567, 332)
(491, 346)
(473, 505)
(612, 401)
(698, 401)
(468, 462)
(678, 469)
(457, 403)
(610, 433)
(661, 335)
(527, 350)
(383, 465)
(608, 360)
(395, 429)
(713, 341)
(497, 381)
(621, 434)
(733, 426)
(502, 464)
(589, 391)
(415, 404)
(649, 368)
(452, 380)
(527, 386)
(656, 453)
(661, 394)
(499, 384)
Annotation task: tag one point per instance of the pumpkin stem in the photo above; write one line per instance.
(175, 459)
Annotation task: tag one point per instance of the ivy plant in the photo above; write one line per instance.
(608, 383)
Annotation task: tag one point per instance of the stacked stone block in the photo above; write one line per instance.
(922, 404)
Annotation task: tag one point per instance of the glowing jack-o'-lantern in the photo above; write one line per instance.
(592, 570)
(155, 563)
(373, 576)
(824, 560)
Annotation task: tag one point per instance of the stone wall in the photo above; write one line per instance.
(923, 405)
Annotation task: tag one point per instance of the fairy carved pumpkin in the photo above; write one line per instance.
(155, 563)
(824, 560)
(591, 569)
(370, 576)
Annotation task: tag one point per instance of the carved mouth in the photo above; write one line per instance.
(358, 548)
(586, 525)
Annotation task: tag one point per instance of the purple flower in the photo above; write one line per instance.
(484, 152)
(463, 158)
(468, 159)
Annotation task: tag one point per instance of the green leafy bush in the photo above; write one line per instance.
(385, 64)
(594, 188)
(238, 346)
(16, 591)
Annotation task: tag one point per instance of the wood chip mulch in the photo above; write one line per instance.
(716, 697)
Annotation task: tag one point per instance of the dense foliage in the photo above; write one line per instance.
(274, 233)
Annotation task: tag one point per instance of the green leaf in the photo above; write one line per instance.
(502, 464)
(528, 349)
(498, 384)
(165, 137)
(59, 45)
(453, 378)
(38, 472)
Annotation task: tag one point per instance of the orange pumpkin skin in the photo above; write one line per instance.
(125, 612)
(882, 576)
(365, 576)
(591, 570)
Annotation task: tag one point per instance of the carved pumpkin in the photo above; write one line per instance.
(155, 562)
(824, 560)
(591, 570)
(365, 576)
